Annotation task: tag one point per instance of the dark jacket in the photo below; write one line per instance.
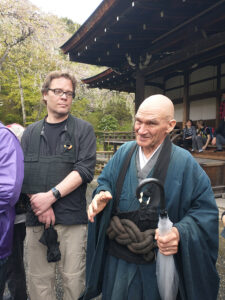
(11, 178)
(220, 129)
(43, 171)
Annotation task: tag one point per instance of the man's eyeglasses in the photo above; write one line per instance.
(59, 92)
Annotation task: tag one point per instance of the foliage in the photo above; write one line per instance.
(71, 26)
(108, 123)
(119, 110)
(29, 49)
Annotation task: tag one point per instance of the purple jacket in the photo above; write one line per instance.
(11, 179)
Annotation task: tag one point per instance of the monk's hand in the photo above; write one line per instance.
(98, 204)
(47, 217)
(40, 202)
(168, 243)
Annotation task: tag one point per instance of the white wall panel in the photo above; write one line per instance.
(223, 69)
(177, 93)
(178, 113)
(222, 82)
(203, 109)
(203, 87)
(203, 73)
(174, 81)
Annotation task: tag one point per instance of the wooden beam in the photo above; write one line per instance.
(189, 21)
(218, 97)
(176, 34)
(186, 54)
(140, 89)
(186, 104)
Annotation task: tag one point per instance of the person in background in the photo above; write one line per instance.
(120, 263)
(219, 136)
(59, 155)
(11, 178)
(15, 275)
(223, 218)
(202, 138)
(189, 132)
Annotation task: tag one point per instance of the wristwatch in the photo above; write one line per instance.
(56, 193)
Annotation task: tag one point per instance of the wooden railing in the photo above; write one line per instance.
(117, 138)
(115, 135)
(114, 138)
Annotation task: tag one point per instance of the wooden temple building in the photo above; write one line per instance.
(172, 47)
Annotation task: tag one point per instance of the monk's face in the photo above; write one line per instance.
(152, 125)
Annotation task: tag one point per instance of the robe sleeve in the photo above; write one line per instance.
(11, 169)
(97, 238)
(198, 229)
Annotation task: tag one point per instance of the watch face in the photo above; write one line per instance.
(56, 193)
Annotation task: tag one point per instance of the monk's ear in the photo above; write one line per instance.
(171, 125)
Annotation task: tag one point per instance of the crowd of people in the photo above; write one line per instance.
(47, 178)
(198, 138)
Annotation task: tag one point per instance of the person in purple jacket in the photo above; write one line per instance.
(11, 179)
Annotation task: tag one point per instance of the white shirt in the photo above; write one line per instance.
(143, 159)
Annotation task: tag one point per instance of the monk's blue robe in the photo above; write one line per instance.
(192, 209)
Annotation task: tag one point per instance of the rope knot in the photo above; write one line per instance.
(126, 233)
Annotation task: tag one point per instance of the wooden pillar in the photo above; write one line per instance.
(186, 104)
(218, 97)
(140, 89)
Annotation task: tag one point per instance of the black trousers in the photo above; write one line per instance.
(187, 143)
(16, 278)
(3, 267)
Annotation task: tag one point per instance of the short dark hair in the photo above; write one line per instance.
(189, 120)
(201, 122)
(57, 74)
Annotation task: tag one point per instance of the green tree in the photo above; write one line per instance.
(71, 26)
(120, 111)
(108, 123)
(30, 44)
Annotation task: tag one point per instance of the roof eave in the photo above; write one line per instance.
(89, 24)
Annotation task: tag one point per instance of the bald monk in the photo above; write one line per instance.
(115, 267)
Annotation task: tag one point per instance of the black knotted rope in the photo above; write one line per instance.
(126, 233)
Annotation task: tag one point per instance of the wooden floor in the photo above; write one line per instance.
(214, 165)
(210, 154)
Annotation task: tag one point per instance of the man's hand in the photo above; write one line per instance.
(168, 244)
(213, 141)
(48, 217)
(98, 204)
(40, 202)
